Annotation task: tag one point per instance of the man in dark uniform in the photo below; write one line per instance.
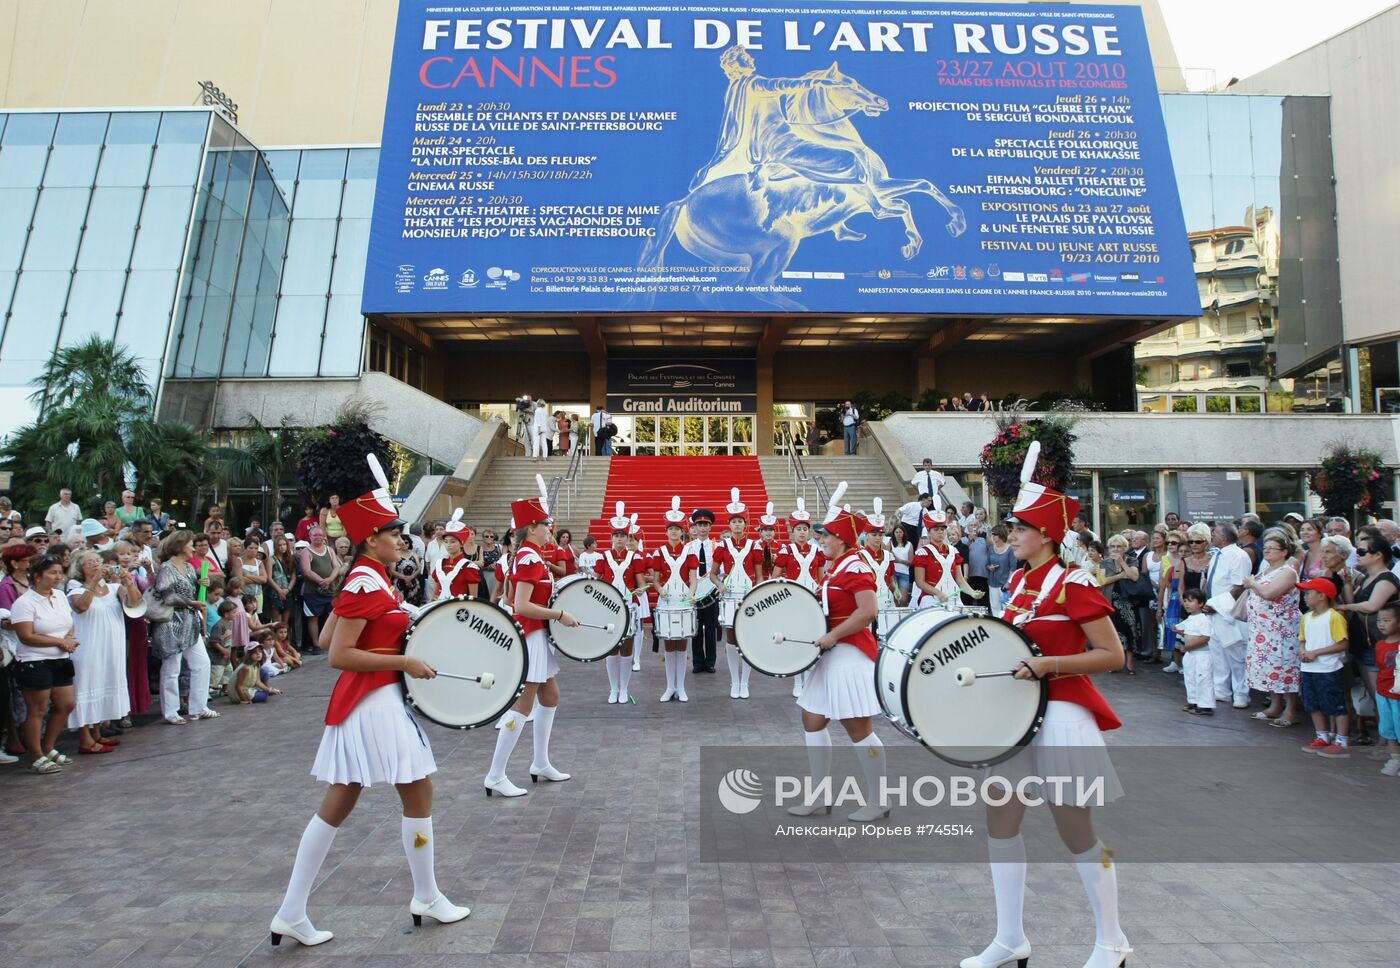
(702, 646)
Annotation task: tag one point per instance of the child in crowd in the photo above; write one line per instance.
(271, 668)
(219, 645)
(1322, 649)
(590, 556)
(249, 684)
(286, 652)
(1387, 696)
(250, 605)
(213, 595)
(1196, 666)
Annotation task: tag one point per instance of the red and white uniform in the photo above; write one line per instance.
(775, 550)
(883, 567)
(842, 683)
(455, 576)
(370, 736)
(528, 567)
(739, 563)
(674, 564)
(940, 563)
(804, 564)
(556, 555)
(626, 573)
(1077, 714)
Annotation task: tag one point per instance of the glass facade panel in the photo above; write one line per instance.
(92, 306)
(111, 228)
(16, 212)
(24, 150)
(126, 156)
(351, 249)
(308, 268)
(165, 219)
(320, 182)
(58, 221)
(297, 347)
(343, 347)
(32, 331)
(77, 145)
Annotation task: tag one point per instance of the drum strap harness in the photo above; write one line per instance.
(1025, 616)
(675, 586)
(804, 564)
(445, 579)
(842, 566)
(738, 578)
(619, 571)
(882, 572)
(946, 582)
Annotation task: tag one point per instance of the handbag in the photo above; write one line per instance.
(1240, 613)
(1139, 590)
(156, 609)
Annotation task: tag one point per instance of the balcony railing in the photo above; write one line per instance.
(1203, 401)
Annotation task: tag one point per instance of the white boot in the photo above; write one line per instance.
(637, 638)
(1100, 877)
(291, 917)
(512, 723)
(624, 678)
(819, 767)
(669, 663)
(540, 767)
(1008, 863)
(682, 661)
(871, 753)
(611, 662)
(744, 678)
(417, 835)
(731, 654)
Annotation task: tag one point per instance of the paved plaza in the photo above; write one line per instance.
(174, 850)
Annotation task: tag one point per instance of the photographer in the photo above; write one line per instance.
(524, 421)
(850, 426)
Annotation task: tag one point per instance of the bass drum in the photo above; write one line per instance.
(920, 678)
(775, 627)
(465, 637)
(597, 605)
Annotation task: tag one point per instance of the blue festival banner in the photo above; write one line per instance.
(970, 158)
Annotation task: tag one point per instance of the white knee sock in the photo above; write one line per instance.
(819, 761)
(315, 843)
(744, 670)
(512, 723)
(1007, 859)
(732, 654)
(1100, 877)
(417, 833)
(679, 658)
(624, 671)
(544, 725)
(611, 662)
(871, 753)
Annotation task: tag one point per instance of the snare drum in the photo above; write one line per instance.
(728, 605)
(605, 619)
(779, 610)
(919, 679)
(675, 620)
(891, 615)
(465, 637)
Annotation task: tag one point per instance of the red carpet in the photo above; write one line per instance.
(646, 485)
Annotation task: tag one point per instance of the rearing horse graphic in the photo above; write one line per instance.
(789, 164)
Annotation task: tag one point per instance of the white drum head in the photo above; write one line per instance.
(593, 602)
(968, 725)
(465, 637)
(773, 609)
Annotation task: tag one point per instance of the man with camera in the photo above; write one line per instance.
(525, 422)
(850, 426)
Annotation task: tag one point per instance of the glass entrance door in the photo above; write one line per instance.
(691, 436)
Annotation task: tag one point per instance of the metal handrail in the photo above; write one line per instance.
(823, 492)
(553, 488)
(574, 471)
(796, 471)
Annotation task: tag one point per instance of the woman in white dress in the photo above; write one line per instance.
(95, 592)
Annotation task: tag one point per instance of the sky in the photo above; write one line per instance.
(1243, 37)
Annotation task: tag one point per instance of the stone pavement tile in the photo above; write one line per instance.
(791, 958)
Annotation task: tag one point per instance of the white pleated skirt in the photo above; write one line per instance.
(544, 664)
(841, 685)
(1070, 745)
(378, 743)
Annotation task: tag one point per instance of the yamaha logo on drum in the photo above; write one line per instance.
(976, 636)
(767, 602)
(479, 625)
(599, 596)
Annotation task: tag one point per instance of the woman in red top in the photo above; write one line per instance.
(842, 683)
(370, 737)
(1061, 610)
(531, 588)
(562, 559)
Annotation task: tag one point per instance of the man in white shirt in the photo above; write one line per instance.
(1074, 548)
(850, 426)
(911, 515)
(63, 515)
(703, 644)
(1342, 527)
(218, 544)
(275, 530)
(600, 419)
(539, 431)
(926, 480)
(1229, 567)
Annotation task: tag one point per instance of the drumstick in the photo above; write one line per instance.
(606, 628)
(779, 638)
(486, 679)
(966, 677)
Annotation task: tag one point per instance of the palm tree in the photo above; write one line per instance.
(265, 455)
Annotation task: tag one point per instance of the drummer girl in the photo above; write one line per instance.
(842, 684)
(1060, 609)
(673, 570)
(646, 594)
(626, 571)
(531, 588)
(939, 571)
(803, 561)
(879, 558)
(456, 574)
(738, 558)
(370, 737)
(770, 553)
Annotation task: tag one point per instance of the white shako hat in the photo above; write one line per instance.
(456, 529)
(877, 518)
(801, 515)
(936, 515)
(769, 519)
(620, 521)
(676, 516)
(736, 507)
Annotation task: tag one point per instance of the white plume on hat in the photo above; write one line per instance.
(620, 521)
(544, 493)
(381, 493)
(735, 506)
(877, 519)
(675, 515)
(768, 520)
(834, 509)
(1030, 491)
(454, 525)
(802, 515)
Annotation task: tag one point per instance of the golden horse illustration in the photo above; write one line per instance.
(789, 164)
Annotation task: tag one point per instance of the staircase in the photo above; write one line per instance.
(646, 485)
(513, 478)
(867, 477)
